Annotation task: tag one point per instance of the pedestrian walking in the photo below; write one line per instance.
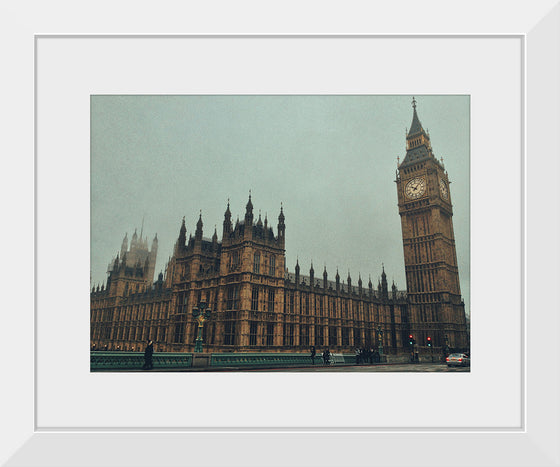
(313, 353)
(148, 356)
(326, 356)
(358, 356)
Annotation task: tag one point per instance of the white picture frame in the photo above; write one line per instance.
(532, 441)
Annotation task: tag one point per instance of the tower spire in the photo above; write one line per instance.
(249, 213)
(418, 146)
(415, 126)
(198, 234)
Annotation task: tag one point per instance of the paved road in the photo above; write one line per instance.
(405, 367)
(379, 368)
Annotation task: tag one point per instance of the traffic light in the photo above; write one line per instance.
(410, 339)
(429, 341)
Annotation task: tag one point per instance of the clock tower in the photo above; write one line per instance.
(436, 309)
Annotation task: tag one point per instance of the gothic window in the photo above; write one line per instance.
(179, 332)
(304, 336)
(234, 260)
(270, 299)
(345, 336)
(256, 263)
(229, 334)
(212, 333)
(319, 335)
(270, 334)
(255, 299)
(357, 340)
(289, 335)
(291, 302)
(332, 337)
(232, 302)
(272, 266)
(253, 333)
(215, 304)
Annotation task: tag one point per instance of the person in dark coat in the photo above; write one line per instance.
(326, 356)
(313, 353)
(148, 354)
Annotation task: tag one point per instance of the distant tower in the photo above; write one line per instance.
(132, 269)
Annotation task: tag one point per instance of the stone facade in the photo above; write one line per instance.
(256, 305)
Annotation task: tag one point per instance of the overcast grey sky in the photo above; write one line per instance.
(330, 161)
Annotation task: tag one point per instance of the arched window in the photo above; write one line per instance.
(256, 263)
(272, 266)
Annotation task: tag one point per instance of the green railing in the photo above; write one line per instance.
(113, 360)
(243, 360)
(135, 360)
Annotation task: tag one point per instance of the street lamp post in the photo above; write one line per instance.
(380, 340)
(201, 313)
(446, 347)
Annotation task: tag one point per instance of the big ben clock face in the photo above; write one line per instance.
(443, 189)
(415, 188)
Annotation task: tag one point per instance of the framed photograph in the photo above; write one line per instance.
(503, 412)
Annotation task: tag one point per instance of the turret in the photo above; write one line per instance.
(337, 279)
(248, 233)
(198, 234)
(360, 284)
(181, 241)
(227, 223)
(297, 271)
(384, 289)
(154, 244)
(311, 275)
(215, 238)
(124, 246)
(249, 213)
(394, 291)
(349, 283)
(134, 241)
(281, 226)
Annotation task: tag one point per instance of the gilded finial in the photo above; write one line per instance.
(413, 103)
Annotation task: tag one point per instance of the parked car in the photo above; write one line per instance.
(458, 359)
